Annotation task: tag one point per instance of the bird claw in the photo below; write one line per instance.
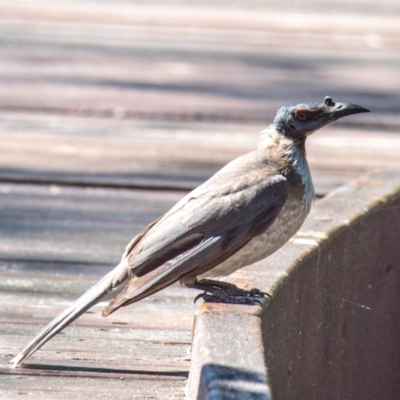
(199, 296)
(224, 292)
(209, 298)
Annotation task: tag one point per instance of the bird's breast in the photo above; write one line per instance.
(286, 224)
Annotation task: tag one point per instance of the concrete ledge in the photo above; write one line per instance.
(332, 328)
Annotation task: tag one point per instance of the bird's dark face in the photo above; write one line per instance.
(299, 121)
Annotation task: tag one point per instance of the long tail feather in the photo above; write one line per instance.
(82, 304)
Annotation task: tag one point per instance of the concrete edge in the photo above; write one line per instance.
(228, 358)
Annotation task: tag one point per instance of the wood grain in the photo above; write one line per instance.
(110, 112)
(56, 243)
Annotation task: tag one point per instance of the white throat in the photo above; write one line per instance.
(298, 159)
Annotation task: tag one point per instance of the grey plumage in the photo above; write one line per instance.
(242, 214)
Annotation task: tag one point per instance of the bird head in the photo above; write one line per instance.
(299, 121)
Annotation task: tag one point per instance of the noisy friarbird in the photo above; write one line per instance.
(242, 214)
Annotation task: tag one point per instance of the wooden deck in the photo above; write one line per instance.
(110, 112)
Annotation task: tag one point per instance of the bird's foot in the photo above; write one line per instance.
(224, 292)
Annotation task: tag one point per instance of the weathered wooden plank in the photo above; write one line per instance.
(156, 95)
(67, 387)
(179, 60)
(56, 242)
(211, 90)
(120, 81)
(83, 151)
(153, 336)
(142, 344)
(62, 224)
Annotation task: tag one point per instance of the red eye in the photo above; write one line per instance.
(301, 115)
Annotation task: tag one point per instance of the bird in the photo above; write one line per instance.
(242, 214)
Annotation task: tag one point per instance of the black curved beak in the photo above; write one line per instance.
(338, 110)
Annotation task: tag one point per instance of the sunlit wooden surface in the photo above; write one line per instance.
(111, 111)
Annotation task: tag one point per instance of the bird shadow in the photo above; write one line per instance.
(49, 369)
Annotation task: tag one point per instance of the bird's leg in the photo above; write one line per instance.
(225, 292)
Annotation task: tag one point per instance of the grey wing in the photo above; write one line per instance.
(229, 200)
(204, 229)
